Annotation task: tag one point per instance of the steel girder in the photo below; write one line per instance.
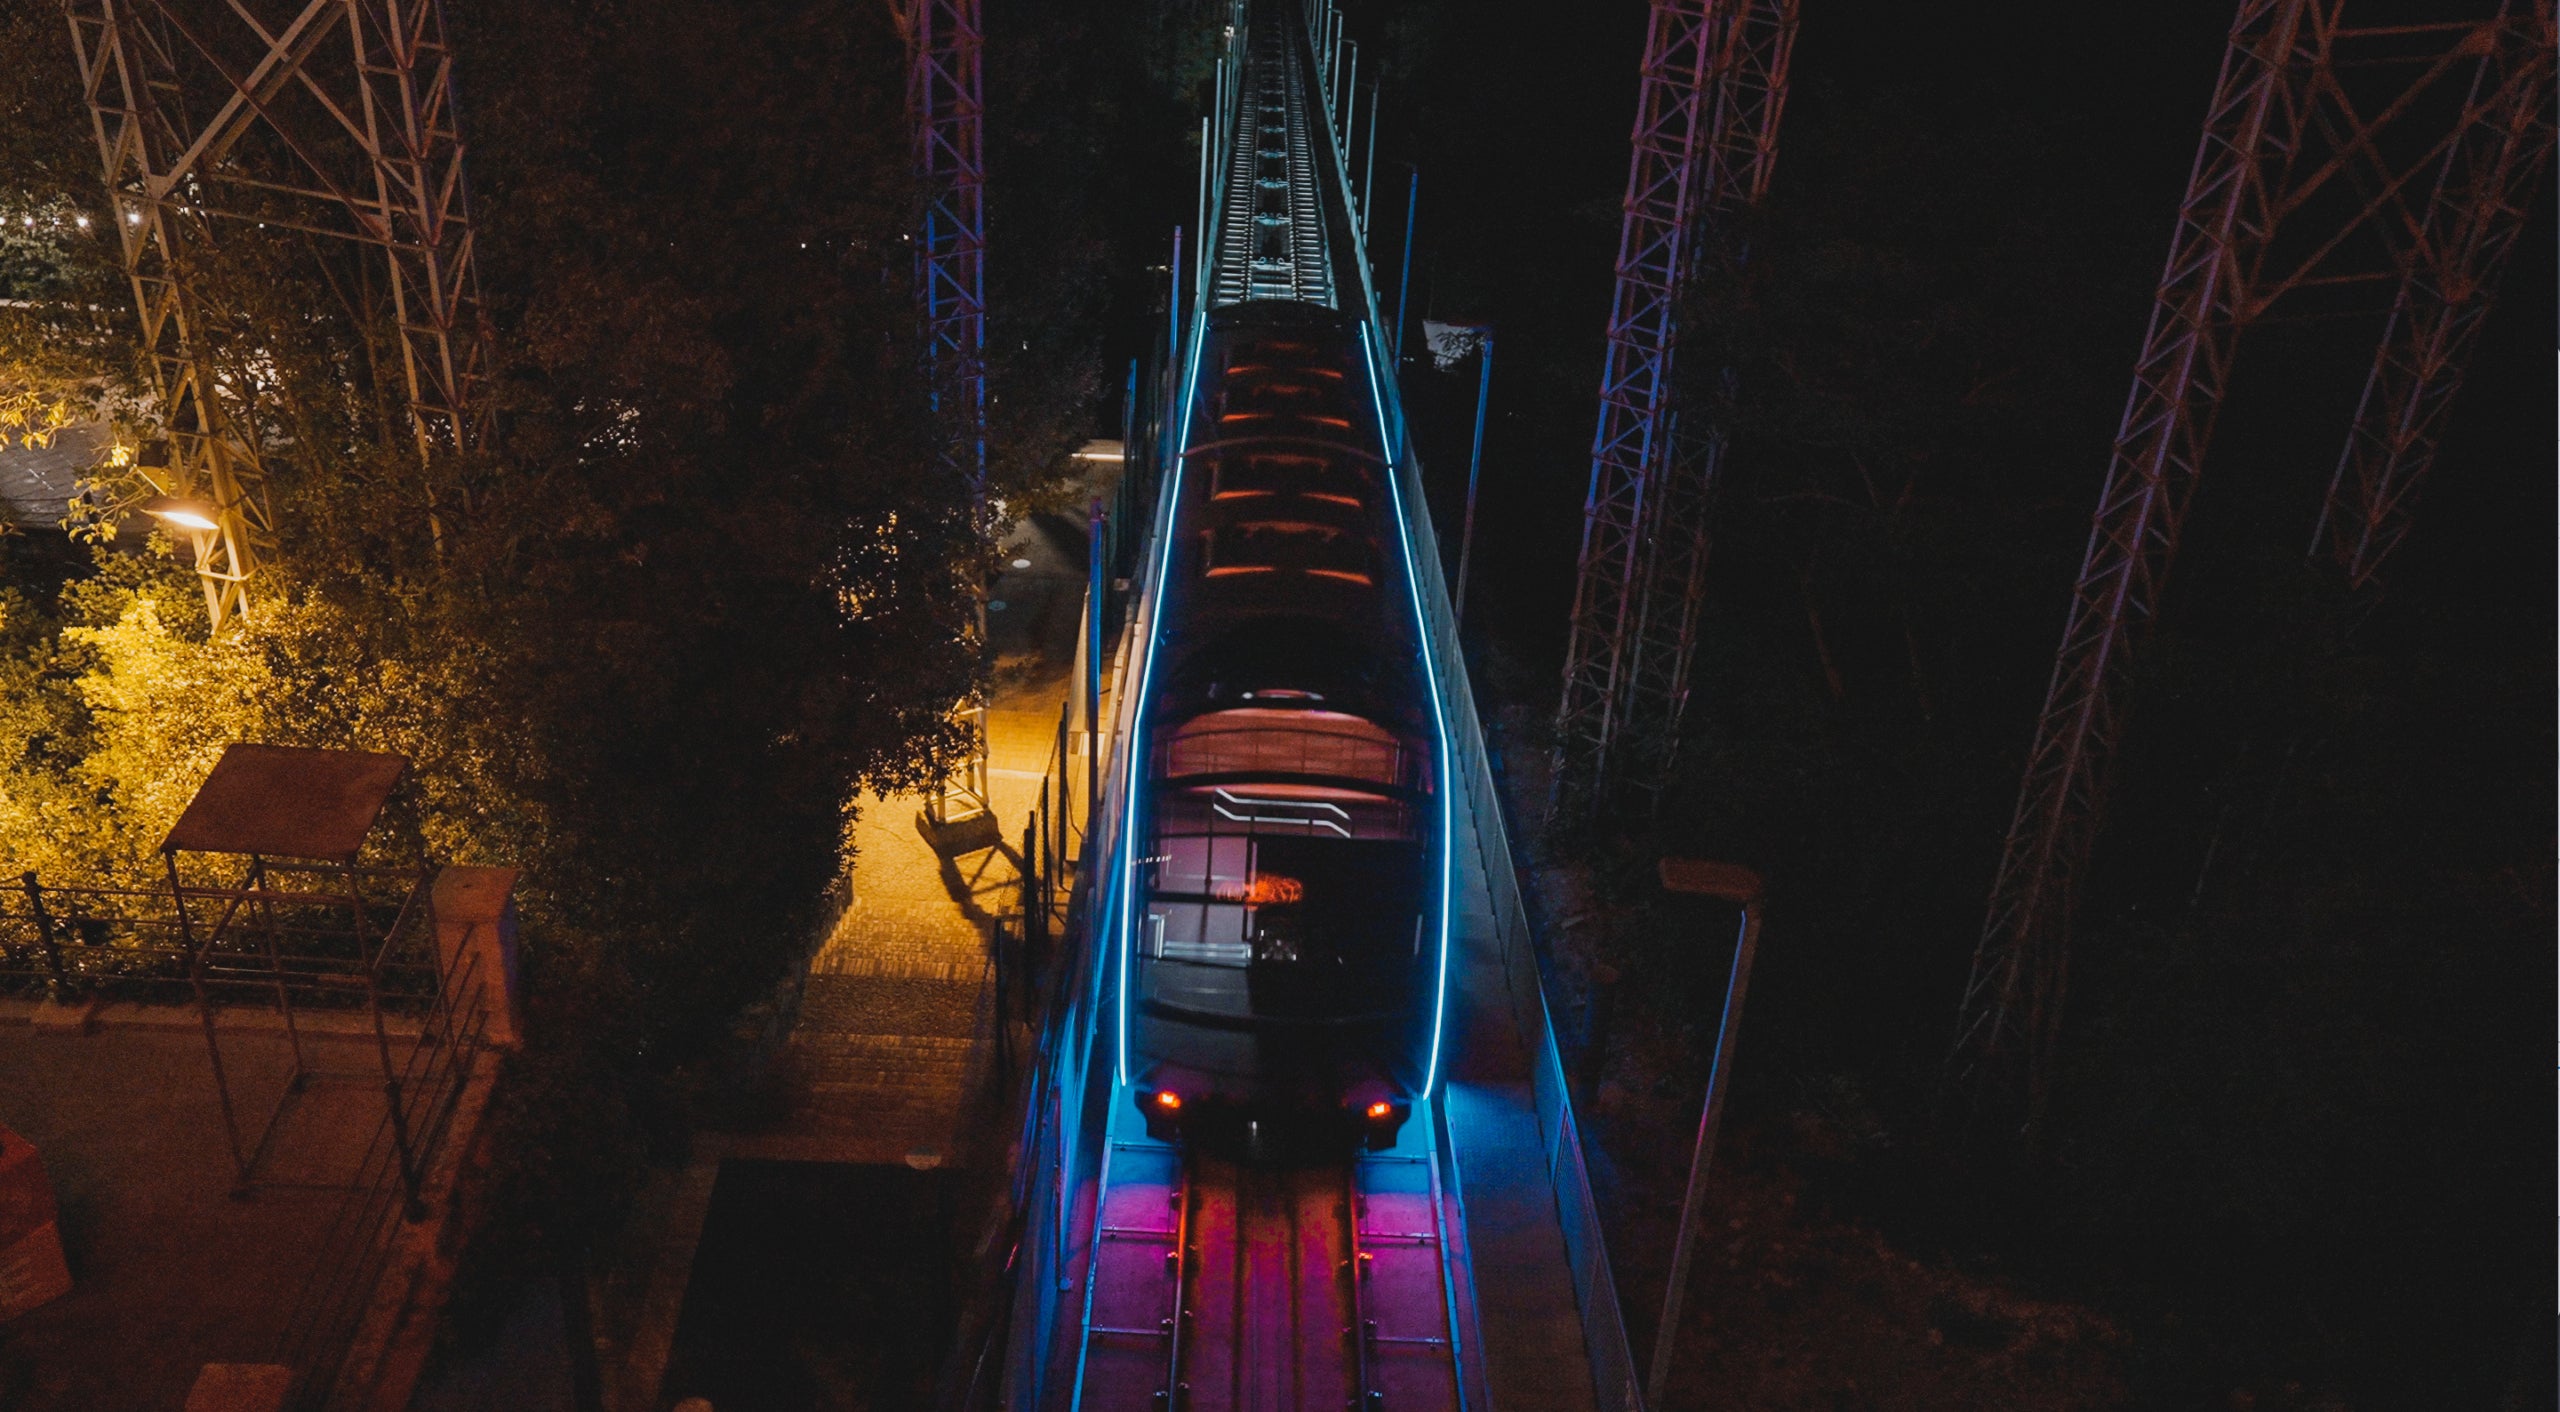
(332, 117)
(2301, 188)
(1711, 87)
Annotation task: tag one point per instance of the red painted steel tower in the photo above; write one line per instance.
(2334, 157)
(1711, 88)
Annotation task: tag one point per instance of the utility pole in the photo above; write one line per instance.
(336, 119)
(2334, 157)
(1712, 89)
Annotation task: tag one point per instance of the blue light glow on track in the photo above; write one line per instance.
(1431, 674)
(1146, 675)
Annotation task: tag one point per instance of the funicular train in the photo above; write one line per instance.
(1285, 935)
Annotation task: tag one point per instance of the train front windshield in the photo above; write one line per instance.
(1286, 872)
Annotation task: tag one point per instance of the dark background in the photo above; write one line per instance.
(2297, 1150)
(2298, 1147)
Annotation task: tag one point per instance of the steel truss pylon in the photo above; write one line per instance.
(946, 119)
(338, 121)
(949, 130)
(2320, 150)
(1749, 94)
(1712, 86)
(2474, 209)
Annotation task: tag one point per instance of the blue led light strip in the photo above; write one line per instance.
(1161, 584)
(1439, 715)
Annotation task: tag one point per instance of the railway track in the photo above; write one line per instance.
(1221, 1285)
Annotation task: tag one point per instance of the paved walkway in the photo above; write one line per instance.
(896, 1026)
(889, 1054)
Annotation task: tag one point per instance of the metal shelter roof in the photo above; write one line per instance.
(287, 801)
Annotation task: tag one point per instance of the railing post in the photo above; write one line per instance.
(414, 1207)
(1094, 598)
(1035, 848)
(44, 934)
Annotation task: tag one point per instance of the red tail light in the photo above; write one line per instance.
(1168, 1100)
(1380, 1110)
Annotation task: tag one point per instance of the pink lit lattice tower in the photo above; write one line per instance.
(2335, 158)
(1712, 86)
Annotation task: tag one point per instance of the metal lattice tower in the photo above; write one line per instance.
(1711, 88)
(1749, 95)
(946, 120)
(2474, 210)
(338, 121)
(2333, 158)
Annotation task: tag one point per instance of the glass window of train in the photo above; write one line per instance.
(1230, 861)
(1237, 476)
(1257, 354)
(1255, 546)
(1251, 740)
(1280, 395)
(1182, 868)
(1335, 480)
(1222, 555)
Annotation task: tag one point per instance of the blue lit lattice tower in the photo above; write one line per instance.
(947, 121)
(2336, 158)
(331, 117)
(1711, 88)
(944, 108)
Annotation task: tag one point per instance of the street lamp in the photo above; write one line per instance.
(186, 512)
(1450, 343)
(1728, 882)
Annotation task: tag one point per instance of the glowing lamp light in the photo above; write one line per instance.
(1379, 1110)
(197, 515)
(1168, 1100)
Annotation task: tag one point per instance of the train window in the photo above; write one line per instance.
(1271, 398)
(1264, 741)
(1202, 865)
(1334, 480)
(1277, 395)
(1263, 355)
(1261, 546)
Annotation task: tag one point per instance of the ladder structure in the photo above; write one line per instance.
(2335, 157)
(340, 122)
(1712, 88)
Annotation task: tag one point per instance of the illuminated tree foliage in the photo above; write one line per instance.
(699, 593)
